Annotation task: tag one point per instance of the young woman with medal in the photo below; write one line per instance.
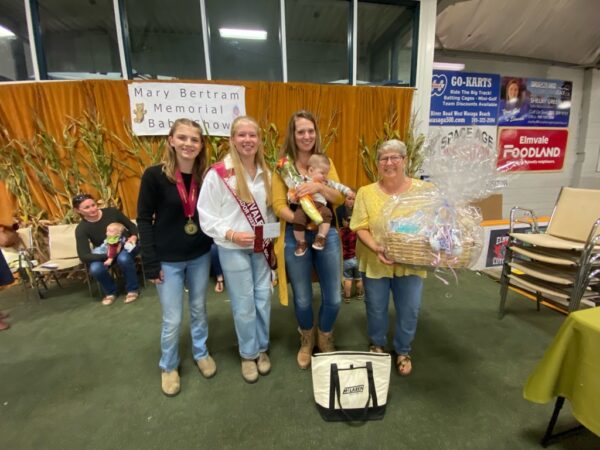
(175, 252)
(235, 200)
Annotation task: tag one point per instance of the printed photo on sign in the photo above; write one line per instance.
(531, 149)
(535, 102)
(514, 101)
(155, 106)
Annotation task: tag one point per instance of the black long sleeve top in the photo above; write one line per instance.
(95, 232)
(161, 222)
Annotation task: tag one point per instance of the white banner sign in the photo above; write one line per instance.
(155, 106)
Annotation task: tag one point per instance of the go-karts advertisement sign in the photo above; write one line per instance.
(532, 149)
(464, 98)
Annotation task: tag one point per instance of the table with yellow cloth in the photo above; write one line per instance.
(570, 368)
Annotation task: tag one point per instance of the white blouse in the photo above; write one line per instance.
(219, 211)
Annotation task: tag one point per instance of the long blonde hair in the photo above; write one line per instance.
(169, 159)
(242, 189)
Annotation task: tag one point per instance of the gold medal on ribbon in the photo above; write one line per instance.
(190, 227)
(188, 201)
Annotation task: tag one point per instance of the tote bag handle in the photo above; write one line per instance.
(335, 391)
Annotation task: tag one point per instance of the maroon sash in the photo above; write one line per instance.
(253, 215)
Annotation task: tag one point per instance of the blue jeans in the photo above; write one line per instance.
(248, 279)
(126, 262)
(215, 263)
(406, 292)
(194, 273)
(327, 263)
(351, 269)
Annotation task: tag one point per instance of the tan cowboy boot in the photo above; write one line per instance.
(325, 342)
(307, 343)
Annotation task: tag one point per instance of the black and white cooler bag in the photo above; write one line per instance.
(351, 385)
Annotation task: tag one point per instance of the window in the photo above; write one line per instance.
(385, 33)
(317, 40)
(237, 58)
(79, 39)
(166, 40)
(14, 43)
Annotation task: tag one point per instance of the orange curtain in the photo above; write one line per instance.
(353, 112)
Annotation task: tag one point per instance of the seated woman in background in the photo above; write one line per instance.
(92, 230)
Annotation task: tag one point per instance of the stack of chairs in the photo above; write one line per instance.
(561, 265)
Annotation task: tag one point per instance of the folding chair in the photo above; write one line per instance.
(21, 261)
(561, 265)
(63, 254)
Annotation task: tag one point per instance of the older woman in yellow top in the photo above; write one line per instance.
(380, 275)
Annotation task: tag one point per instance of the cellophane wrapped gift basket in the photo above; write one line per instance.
(438, 227)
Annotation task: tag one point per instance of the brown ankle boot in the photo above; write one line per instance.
(325, 342)
(307, 343)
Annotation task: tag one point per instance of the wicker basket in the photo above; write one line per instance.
(415, 250)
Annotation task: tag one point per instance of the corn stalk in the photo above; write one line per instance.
(104, 170)
(216, 148)
(13, 174)
(331, 134)
(414, 147)
(270, 145)
(145, 150)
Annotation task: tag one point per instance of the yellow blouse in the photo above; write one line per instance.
(366, 216)
(279, 190)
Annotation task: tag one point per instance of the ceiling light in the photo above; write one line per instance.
(240, 33)
(448, 66)
(5, 32)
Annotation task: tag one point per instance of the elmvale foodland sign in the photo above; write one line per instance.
(155, 106)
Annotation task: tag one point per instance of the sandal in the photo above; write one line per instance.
(219, 286)
(404, 365)
(131, 297)
(109, 300)
(347, 299)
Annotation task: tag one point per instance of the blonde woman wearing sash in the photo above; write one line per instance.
(234, 199)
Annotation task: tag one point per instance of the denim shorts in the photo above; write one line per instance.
(351, 269)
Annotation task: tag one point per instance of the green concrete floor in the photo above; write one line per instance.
(78, 375)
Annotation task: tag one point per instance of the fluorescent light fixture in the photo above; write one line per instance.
(448, 66)
(5, 32)
(240, 33)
